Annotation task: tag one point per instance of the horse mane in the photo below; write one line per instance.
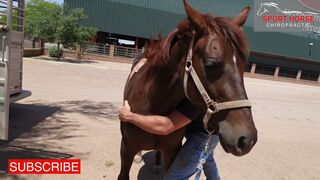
(157, 51)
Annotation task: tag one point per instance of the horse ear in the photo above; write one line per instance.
(194, 16)
(242, 17)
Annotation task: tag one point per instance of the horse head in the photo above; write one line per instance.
(218, 56)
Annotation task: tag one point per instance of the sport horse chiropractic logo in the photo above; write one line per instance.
(286, 16)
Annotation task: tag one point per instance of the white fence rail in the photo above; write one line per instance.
(113, 51)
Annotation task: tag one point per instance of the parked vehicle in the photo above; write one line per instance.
(11, 57)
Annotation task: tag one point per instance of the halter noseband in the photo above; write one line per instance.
(212, 106)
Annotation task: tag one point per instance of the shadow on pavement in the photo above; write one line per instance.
(92, 109)
(38, 131)
(23, 117)
(146, 171)
(52, 121)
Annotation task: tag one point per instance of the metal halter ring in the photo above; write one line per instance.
(188, 65)
(213, 107)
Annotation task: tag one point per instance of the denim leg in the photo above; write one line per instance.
(210, 168)
(185, 163)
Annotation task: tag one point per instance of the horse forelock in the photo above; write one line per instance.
(232, 34)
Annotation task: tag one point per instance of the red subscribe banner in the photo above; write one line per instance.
(44, 166)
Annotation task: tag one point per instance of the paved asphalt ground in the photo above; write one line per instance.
(73, 114)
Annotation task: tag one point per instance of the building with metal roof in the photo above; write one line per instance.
(143, 19)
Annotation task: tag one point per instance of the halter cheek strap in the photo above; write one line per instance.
(212, 106)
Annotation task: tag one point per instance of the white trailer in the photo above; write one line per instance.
(11, 57)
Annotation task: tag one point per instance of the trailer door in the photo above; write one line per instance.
(11, 27)
(4, 85)
(4, 78)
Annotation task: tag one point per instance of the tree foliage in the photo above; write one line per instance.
(42, 19)
(49, 22)
(70, 32)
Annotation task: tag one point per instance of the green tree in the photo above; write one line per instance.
(42, 19)
(70, 32)
(50, 23)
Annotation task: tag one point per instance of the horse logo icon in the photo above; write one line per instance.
(272, 7)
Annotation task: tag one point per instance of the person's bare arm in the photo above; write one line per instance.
(161, 125)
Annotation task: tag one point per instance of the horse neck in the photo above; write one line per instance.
(167, 87)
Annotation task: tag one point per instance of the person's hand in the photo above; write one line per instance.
(125, 112)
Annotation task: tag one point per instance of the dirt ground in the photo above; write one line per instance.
(72, 114)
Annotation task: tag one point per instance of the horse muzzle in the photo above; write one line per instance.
(237, 140)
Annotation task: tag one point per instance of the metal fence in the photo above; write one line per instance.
(111, 50)
(121, 51)
(265, 69)
(97, 49)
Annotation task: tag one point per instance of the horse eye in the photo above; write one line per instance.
(211, 63)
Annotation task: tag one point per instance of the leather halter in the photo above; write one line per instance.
(212, 106)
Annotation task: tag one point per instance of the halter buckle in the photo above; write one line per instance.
(213, 106)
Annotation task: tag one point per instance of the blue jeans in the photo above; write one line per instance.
(185, 163)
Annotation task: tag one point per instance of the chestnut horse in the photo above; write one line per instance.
(215, 49)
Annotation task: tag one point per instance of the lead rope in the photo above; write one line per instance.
(203, 157)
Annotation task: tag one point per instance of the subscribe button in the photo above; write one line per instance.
(44, 166)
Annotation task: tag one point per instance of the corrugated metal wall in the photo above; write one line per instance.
(149, 18)
(143, 18)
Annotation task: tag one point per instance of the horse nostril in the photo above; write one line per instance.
(243, 142)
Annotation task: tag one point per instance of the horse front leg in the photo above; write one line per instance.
(127, 154)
